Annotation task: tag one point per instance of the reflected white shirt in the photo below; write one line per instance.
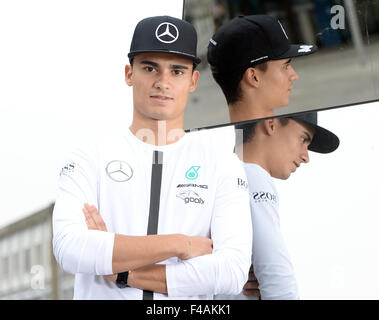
(270, 258)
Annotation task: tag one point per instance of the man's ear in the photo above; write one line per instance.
(195, 80)
(251, 76)
(128, 75)
(269, 126)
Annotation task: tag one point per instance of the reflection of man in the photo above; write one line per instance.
(132, 179)
(250, 59)
(275, 148)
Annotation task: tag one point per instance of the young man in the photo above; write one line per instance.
(250, 59)
(275, 148)
(177, 221)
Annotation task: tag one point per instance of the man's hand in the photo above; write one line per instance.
(94, 221)
(251, 288)
(197, 246)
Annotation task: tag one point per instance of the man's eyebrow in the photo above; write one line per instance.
(178, 66)
(172, 66)
(151, 63)
(288, 61)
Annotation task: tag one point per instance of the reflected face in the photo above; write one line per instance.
(277, 82)
(161, 85)
(290, 148)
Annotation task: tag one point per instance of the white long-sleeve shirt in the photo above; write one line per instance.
(202, 193)
(272, 264)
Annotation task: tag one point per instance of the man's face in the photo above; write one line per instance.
(161, 85)
(277, 82)
(290, 148)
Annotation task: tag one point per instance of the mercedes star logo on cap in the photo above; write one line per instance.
(167, 32)
(119, 171)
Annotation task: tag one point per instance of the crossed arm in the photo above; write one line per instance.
(139, 254)
(153, 277)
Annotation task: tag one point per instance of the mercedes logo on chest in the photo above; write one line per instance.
(167, 32)
(119, 171)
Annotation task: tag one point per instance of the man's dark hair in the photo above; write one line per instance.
(229, 81)
(248, 130)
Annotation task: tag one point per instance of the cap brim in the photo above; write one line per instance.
(297, 50)
(196, 60)
(323, 140)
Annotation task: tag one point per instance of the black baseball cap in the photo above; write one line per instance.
(246, 41)
(165, 34)
(323, 140)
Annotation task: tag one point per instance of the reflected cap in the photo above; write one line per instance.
(246, 41)
(323, 140)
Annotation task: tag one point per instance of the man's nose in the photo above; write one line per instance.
(294, 75)
(305, 155)
(162, 81)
